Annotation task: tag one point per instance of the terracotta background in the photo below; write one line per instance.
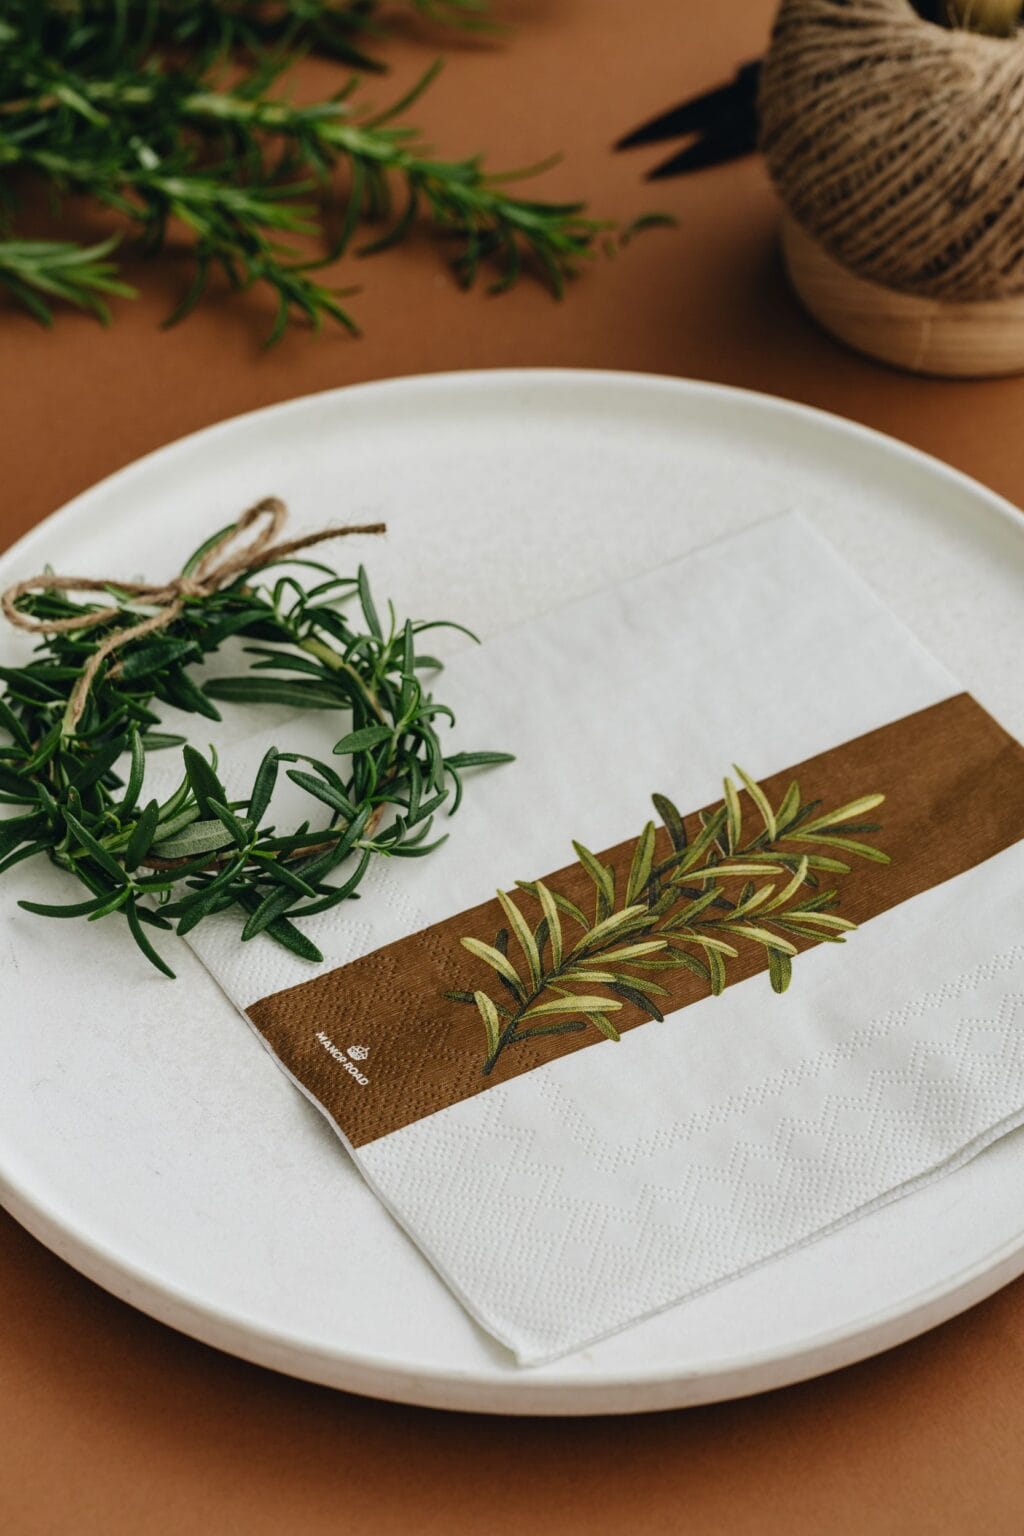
(110, 1423)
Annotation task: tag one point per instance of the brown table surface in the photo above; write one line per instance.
(111, 1423)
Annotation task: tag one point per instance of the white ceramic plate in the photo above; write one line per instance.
(146, 1137)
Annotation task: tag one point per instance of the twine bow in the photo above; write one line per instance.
(211, 573)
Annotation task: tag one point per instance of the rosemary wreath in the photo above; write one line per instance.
(79, 722)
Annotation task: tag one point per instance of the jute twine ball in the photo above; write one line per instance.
(898, 145)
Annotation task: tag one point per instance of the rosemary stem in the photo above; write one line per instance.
(330, 658)
(508, 1035)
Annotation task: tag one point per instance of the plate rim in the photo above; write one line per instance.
(488, 377)
(526, 1393)
(458, 1387)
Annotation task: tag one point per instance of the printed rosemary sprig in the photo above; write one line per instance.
(77, 781)
(691, 910)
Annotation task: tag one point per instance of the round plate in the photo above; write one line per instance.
(144, 1134)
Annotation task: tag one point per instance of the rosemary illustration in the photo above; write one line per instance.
(691, 910)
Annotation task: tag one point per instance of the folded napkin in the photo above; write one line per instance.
(565, 1182)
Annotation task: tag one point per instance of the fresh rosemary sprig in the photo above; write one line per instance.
(339, 29)
(691, 910)
(79, 789)
(173, 140)
(36, 271)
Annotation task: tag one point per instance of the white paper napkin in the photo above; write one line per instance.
(615, 1181)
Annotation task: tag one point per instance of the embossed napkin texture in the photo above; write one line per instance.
(565, 1184)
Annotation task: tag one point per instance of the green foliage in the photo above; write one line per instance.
(169, 115)
(79, 795)
(339, 29)
(35, 272)
(693, 910)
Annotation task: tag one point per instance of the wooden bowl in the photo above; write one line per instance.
(953, 339)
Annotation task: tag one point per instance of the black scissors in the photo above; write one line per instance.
(721, 124)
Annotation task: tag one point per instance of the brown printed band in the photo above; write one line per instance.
(380, 1043)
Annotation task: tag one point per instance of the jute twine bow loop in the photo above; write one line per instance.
(213, 571)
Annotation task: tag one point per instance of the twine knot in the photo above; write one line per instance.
(185, 586)
(211, 572)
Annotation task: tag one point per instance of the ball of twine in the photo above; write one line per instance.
(899, 144)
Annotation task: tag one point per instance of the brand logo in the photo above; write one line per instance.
(356, 1052)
